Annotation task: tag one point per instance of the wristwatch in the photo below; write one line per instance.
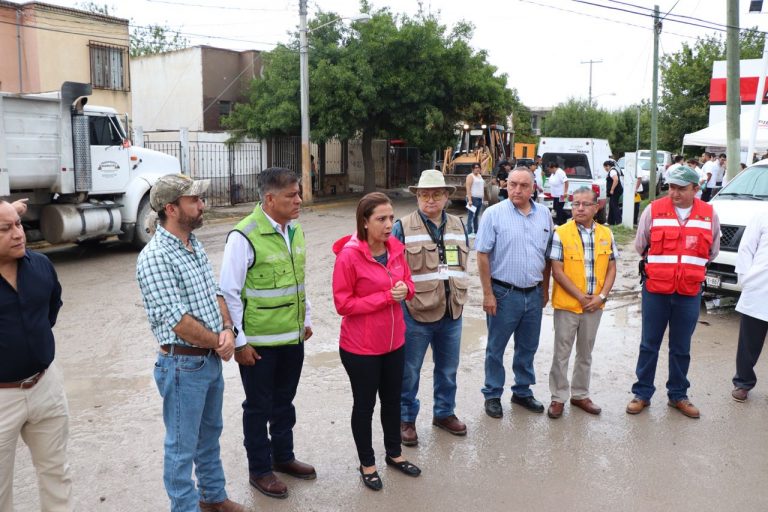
(602, 297)
(232, 328)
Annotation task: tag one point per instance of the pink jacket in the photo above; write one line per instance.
(372, 323)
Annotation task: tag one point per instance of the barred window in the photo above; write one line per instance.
(109, 66)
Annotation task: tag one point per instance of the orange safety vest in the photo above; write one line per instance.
(573, 263)
(678, 253)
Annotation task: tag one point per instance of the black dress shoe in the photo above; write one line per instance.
(493, 408)
(528, 402)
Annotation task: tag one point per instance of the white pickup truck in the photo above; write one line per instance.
(582, 160)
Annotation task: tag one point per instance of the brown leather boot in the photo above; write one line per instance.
(408, 435)
(222, 506)
(451, 424)
(686, 407)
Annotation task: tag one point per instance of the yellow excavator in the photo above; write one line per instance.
(485, 144)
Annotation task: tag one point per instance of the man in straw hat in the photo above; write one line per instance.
(677, 236)
(437, 249)
(190, 320)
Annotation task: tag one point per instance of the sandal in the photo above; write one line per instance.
(404, 466)
(371, 481)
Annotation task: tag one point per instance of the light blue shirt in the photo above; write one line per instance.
(516, 243)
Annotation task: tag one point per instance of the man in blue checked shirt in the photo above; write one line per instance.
(190, 320)
(511, 244)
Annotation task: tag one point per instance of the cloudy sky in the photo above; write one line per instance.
(539, 44)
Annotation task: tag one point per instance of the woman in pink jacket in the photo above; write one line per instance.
(370, 279)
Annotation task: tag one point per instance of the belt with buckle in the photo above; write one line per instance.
(183, 350)
(24, 383)
(509, 286)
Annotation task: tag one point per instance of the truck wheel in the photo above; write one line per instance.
(142, 234)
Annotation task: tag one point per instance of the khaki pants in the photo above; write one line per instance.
(582, 327)
(41, 416)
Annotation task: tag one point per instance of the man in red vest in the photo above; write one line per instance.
(678, 235)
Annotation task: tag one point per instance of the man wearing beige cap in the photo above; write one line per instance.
(437, 249)
(677, 236)
(190, 320)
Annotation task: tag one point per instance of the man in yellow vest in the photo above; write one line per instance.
(583, 256)
(262, 279)
(437, 250)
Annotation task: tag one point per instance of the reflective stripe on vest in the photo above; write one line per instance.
(693, 260)
(436, 275)
(276, 292)
(447, 237)
(662, 259)
(274, 339)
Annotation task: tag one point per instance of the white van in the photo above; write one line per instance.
(736, 203)
(663, 160)
(582, 160)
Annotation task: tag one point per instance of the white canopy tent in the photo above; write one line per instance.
(715, 135)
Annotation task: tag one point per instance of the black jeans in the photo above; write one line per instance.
(752, 333)
(560, 216)
(706, 195)
(270, 386)
(369, 375)
(614, 210)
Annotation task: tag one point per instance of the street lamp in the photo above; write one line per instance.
(306, 177)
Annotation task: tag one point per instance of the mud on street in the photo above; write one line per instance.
(658, 460)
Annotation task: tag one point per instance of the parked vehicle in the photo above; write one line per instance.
(457, 163)
(736, 203)
(663, 160)
(75, 164)
(582, 160)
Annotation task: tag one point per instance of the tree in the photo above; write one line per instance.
(155, 38)
(685, 81)
(625, 137)
(577, 118)
(394, 76)
(144, 40)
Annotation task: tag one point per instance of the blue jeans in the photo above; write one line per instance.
(680, 312)
(473, 219)
(444, 336)
(193, 393)
(519, 313)
(268, 411)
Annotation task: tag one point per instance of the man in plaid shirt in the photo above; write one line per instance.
(583, 257)
(190, 320)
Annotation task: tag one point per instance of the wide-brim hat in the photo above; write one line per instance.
(431, 178)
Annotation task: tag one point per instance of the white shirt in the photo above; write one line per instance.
(557, 182)
(752, 267)
(234, 268)
(713, 168)
(537, 178)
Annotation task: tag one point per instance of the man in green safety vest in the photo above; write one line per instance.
(262, 279)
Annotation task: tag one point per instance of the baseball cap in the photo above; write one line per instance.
(173, 186)
(682, 175)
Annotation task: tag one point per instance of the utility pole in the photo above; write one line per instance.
(590, 62)
(733, 96)
(306, 178)
(655, 102)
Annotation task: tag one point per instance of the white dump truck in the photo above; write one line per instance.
(74, 162)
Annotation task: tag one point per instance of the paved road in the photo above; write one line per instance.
(656, 461)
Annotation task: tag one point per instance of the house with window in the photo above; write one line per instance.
(45, 45)
(193, 88)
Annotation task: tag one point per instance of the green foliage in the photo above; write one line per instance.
(685, 81)
(155, 38)
(577, 118)
(625, 139)
(394, 76)
(96, 8)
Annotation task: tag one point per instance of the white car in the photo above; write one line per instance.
(736, 203)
